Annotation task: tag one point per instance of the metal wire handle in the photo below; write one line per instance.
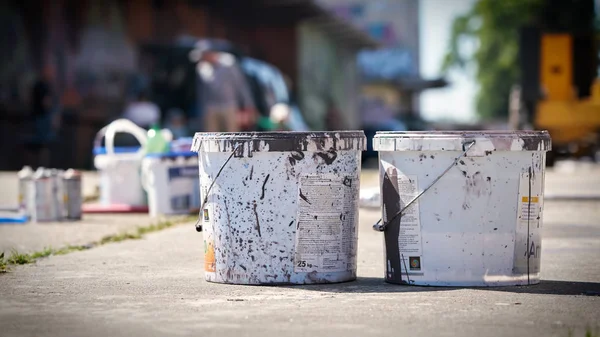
(380, 227)
(198, 225)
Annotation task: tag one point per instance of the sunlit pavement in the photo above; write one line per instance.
(155, 287)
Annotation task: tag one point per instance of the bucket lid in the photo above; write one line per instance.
(118, 149)
(283, 141)
(485, 141)
(185, 154)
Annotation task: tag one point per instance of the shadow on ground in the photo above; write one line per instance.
(366, 285)
(377, 285)
(551, 287)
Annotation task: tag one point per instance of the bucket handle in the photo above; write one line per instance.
(198, 225)
(380, 227)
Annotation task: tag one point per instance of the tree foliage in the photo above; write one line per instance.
(494, 26)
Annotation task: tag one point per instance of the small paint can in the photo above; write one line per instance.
(41, 196)
(25, 183)
(72, 194)
(58, 194)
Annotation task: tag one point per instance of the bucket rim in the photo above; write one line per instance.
(542, 134)
(280, 141)
(267, 135)
(492, 140)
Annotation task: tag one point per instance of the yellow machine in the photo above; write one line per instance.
(573, 122)
(560, 88)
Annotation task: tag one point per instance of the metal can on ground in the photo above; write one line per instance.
(41, 197)
(25, 182)
(58, 194)
(72, 194)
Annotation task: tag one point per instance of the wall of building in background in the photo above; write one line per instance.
(328, 81)
(91, 50)
(395, 24)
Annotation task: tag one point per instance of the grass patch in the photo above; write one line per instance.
(154, 227)
(592, 333)
(42, 253)
(3, 264)
(589, 332)
(17, 258)
(70, 249)
(119, 237)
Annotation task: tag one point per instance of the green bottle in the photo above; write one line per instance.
(156, 142)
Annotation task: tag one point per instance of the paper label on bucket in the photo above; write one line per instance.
(409, 238)
(325, 232)
(182, 180)
(528, 241)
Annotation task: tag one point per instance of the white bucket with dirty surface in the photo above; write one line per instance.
(119, 167)
(171, 182)
(462, 208)
(284, 209)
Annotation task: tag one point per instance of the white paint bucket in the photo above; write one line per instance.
(119, 167)
(477, 217)
(284, 208)
(171, 181)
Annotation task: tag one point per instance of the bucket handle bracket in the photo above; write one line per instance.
(381, 226)
(198, 225)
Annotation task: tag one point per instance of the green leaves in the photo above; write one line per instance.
(494, 25)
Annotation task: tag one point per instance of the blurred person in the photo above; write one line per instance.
(45, 119)
(142, 111)
(176, 122)
(296, 121)
(334, 120)
(227, 99)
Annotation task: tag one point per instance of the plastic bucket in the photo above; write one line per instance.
(119, 167)
(171, 182)
(471, 206)
(284, 209)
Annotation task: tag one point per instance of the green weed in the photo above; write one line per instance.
(3, 264)
(43, 253)
(19, 258)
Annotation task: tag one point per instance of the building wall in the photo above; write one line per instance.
(392, 22)
(328, 83)
(90, 49)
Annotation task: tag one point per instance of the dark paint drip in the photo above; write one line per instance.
(304, 197)
(391, 200)
(262, 196)
(257, 225)
(295, 157)
(328, 157)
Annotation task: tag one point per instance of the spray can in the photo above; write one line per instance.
(41, 196)
(73, 194)
(58, 194)
(25, 188)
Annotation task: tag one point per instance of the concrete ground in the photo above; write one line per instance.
(37, 236)
(155, 287)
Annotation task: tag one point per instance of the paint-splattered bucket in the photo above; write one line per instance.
(280, 207)
(462, 208)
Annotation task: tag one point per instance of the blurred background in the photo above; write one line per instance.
(70, 67)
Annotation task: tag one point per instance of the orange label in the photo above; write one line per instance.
(209, 257)
(533, 199)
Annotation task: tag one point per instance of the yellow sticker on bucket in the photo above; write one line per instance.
(533, 199)
(209, 258)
